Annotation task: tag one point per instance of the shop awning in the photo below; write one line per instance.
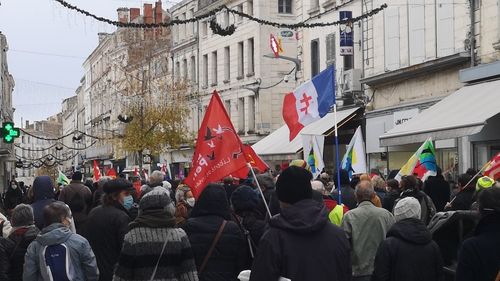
(462, 113)
(277, 143)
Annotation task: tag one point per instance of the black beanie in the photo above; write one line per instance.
(294, 185)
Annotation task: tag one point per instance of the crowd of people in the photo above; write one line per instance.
(296, 227)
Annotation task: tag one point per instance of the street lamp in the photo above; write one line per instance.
(296, 61)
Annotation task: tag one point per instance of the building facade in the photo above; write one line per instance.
(7, 157)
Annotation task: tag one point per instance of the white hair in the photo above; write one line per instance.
(156, 179)
(318, 186)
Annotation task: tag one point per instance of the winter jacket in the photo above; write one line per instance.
(348, 197)
(428, 210)
(230, 254)
(479, 257)
(78, 197)
(150, 233)
(252, 228)
(408, 254)
(43, 195)
(366, 227)
(389, 199)
(463, 200)
(82, 258)
(301, 244)
(105, 229)
(438, 190)
(13, 197)
(12, 252)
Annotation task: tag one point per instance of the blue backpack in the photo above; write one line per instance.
(57, 262)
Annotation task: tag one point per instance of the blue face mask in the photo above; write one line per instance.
(128, 202)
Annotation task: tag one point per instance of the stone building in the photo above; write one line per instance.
(69, 121)
(7, 156)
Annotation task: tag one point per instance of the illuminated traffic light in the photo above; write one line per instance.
(9, 133)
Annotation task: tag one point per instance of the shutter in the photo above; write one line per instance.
(330, 49)
(416, 12)
(445, 30)
(391, 38)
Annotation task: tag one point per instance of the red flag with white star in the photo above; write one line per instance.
(218, 150)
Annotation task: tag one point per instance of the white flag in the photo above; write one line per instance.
(354, 160)
(313, 152)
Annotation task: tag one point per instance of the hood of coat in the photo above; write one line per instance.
(27, 233)
(305, 216)
(411, 230)
(43, 188)
(212, 201)
(54, 234)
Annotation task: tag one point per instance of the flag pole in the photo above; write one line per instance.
(260, 190)
(337, 163)
(472, 179)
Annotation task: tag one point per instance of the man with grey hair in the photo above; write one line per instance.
(13, 248)
(156, 179)
(365, 227)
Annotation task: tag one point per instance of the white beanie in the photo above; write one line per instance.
(406, 208)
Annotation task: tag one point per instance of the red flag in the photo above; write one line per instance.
(254, 160)
(136, 172)
(218, 150)
(493, 169)
(97, 172)
(111, 173)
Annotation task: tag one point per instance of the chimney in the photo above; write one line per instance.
(158, 12)
(27, 124)
(148, 13)
(134, 14)
(122, 15)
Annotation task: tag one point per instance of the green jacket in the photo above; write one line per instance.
(366, 227)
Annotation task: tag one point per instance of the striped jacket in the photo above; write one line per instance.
(142, 248)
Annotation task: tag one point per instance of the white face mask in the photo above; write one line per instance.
(190, 201)
(14, 186)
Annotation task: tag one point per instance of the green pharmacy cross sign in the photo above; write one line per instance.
(9, 133)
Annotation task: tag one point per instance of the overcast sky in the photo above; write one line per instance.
(48, 44)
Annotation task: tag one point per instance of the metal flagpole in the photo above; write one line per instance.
(260, 190)
(337, 164)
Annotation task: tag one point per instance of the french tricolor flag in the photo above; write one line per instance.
(309, 102)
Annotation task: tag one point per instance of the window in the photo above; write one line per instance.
(445, 29)
(227, 64)
(241, 115)
(177, 70)
(314, 5)
(330, 49)
(175, 31)
(182, 28)
(251, 114)
(240, 60)
(285, 6)
(250, 56)
(214, 68)
(228, 107)
(190, 26)
(239, 8)
(204, 28)
(391, 40)
(193, 69)
(184, 69)
(250, 8)
(314, 57)
(205, 70)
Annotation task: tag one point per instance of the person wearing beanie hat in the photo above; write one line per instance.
(407, 208)
(107, 225)
(152, 237)
(300, 163)
(24, 232)
(301, 235)
(479, 256)
(245, 203)
(78, 197)
(484, 183)
(408, 253)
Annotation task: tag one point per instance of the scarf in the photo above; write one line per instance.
(154, 218)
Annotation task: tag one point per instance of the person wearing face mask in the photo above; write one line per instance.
(107, 225)
(57, 253)
(13, 196)
(185, 203)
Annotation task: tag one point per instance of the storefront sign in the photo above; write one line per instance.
(346, 34)
(403, 116)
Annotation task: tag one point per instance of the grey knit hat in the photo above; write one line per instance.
(22, 215)
(158, 198)
(406, 208)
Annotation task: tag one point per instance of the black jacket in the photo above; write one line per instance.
(12, 252)
(463, 200)
(408, 253)
(105, 230)
(230, 254)
(479, 257)
(13, 197)
(428, 210)
(43, 195)
(438, 190)
(348, 197)
(389, 199)
(303, 245)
